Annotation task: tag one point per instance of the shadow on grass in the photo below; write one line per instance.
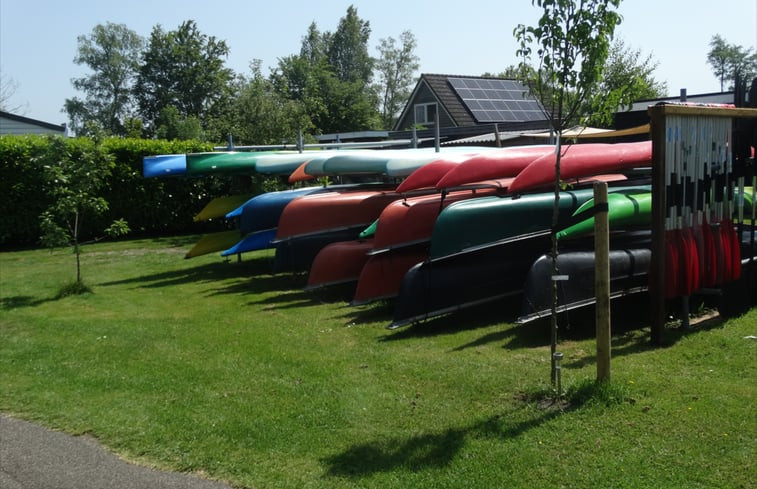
(428, 450)
(19, 301)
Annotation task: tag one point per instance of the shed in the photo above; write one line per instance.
(17, 124)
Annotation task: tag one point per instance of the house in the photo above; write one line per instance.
(16, 124)
(471, 104)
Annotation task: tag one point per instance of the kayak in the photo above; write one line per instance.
(220, 206)
(259, 240)
(331, 210)
(263, 211)
(224, 163)
(485, 221)
(625, 209)
(580, 160)
(629, 270)
(381, 276)
(212, 243)
(502, 163)
(164, 166)
(411, 221)
(338, 263)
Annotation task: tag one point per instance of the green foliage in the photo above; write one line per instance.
(184, 69)
(111, 51)
(77, 287)
(729, 61)
(626, 78)
(30, 165)
(396, 67)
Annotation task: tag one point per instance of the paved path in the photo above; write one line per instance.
(32, 457)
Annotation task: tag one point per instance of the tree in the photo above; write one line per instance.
(77, 172)
(627, 77)
(396, 68)
(729, 61)
(111, 51)
(572, 42)
(330, 78)
(8, 87)
(184, 69)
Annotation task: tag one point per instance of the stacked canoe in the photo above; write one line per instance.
(437, 232)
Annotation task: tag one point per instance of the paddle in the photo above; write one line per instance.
(734, 241)
(671, 251)
(691, 278)
(708, 270)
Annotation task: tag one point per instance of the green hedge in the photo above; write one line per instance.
(151, 206)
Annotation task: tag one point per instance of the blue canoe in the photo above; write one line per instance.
(263, 211)
(260, 240)
(164, 166)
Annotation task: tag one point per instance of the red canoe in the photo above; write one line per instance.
(332, 211)
(339, 263)
(411, 221)
(430, 173)
(501, 163)
(581, 160)
(382, 275)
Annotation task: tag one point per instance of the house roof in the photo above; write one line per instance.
(33, 122)
(471, 100)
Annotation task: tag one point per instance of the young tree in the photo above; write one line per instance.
(729, 61)
(572, 42)
(75, 174)
(184, 69)
(111, 51)
(8, 87)
(396, 68)
(627, 77)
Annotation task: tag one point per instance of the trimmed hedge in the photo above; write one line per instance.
(151, 206)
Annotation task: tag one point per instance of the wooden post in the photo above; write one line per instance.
(657, 265)
(602, 281)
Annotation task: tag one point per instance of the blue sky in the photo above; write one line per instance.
(38, 37)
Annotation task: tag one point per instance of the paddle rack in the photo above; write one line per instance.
(697, 188)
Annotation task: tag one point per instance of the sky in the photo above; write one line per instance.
(38, 38)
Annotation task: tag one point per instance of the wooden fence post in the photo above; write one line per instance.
(602, 281)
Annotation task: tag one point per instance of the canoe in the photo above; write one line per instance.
(314, 167)
(580, 160)
(224, 163)
(285, 163)
(164, 166)
(429, 174)
(381, 276)
(212, 243)
(326, 211)
(338, 263)
(259, 240)
(629, 270)
(437, 287)
(296, 254)
(485, 221)
(411, 221)
(502, 163)
(625, 209)
(220, 206)
(263, 211)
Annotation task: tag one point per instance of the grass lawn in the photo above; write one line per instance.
(223, 369)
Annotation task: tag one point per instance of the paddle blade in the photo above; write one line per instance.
(671, 266)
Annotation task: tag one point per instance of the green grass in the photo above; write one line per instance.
(223, 369)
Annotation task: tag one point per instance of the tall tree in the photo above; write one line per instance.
(184, 69)
(572, 42)
(347, 49)
(396, 67)
(111, 51)
(729, 61)
(627, 77)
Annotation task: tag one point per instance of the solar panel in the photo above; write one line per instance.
(496, 100)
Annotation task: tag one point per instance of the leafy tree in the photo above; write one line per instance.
(111, 51)
(184, 69)
(347, 49)
(627, 77)
(729, 61)
(572, 42)
(78, 171)
(330, 77)
(396, 68)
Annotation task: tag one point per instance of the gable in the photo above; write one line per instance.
(16, 124)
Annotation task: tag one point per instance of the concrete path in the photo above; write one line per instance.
(32, 457)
